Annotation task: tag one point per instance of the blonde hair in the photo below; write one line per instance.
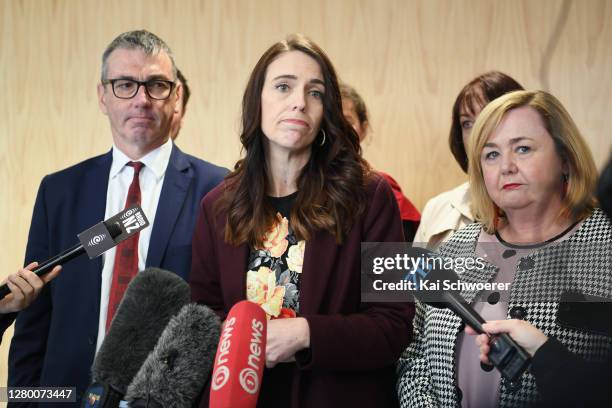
(571, 147)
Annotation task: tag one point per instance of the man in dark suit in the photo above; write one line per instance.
(56, 338)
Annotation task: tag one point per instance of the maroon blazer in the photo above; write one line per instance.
(353, 346)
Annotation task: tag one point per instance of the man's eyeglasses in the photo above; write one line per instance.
(128, 88)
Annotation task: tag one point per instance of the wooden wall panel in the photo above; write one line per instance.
(409, 59)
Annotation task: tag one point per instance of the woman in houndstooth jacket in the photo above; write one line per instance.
(532, 178)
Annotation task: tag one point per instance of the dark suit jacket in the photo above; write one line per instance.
(566, 380)
(354, 345)
(5, 321)
(55, 338)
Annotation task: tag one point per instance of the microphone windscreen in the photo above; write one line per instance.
(240, 358)
(150, 300)
(175, 372)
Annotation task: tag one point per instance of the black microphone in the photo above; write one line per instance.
(506, 354)
(95, 240)
(175, 372)
(150, 301)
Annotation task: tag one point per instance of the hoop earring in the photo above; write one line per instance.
(322, 141)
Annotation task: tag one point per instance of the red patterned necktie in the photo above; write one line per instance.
(126, 256)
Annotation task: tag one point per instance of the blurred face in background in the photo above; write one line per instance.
(467, 117)
(348, 109)
(179, 111)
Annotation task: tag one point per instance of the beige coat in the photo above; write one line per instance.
(443, 215)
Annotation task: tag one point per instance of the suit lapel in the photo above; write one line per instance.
(177, 180)
(93, 196)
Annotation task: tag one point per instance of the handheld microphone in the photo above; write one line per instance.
(95, 240)
(505, 353)
(175, 372)
(150, 300)
(240, 358)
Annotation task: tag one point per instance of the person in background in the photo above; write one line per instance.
(181, 107)
(284, 230)
(25, 286)
(450, 211)
(563, 378)
(356, 113)
(532, 179)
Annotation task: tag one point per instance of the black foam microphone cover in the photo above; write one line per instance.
(175, 372)
(150, 301)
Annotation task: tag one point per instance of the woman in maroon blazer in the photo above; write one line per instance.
(284, 231)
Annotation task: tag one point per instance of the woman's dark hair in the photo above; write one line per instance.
(478, 92)
(331, 186)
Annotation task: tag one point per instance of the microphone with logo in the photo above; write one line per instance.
(175, 372)
(96, 240)
(240, 358)
(150, 301)
(506, 354)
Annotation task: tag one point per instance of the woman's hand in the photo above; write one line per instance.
(25, 286)
(285, 338)
(526, 335)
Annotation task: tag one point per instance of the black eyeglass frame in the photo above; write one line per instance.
(139, 84)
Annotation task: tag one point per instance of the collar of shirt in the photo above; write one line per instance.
(155, 161)
(460, 200)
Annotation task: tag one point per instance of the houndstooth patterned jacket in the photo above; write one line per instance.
(426, 370)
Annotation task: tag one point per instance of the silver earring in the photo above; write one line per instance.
(322, 141)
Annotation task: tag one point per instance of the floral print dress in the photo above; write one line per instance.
(274, 269)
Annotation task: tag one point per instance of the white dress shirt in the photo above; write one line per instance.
(119, 180)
